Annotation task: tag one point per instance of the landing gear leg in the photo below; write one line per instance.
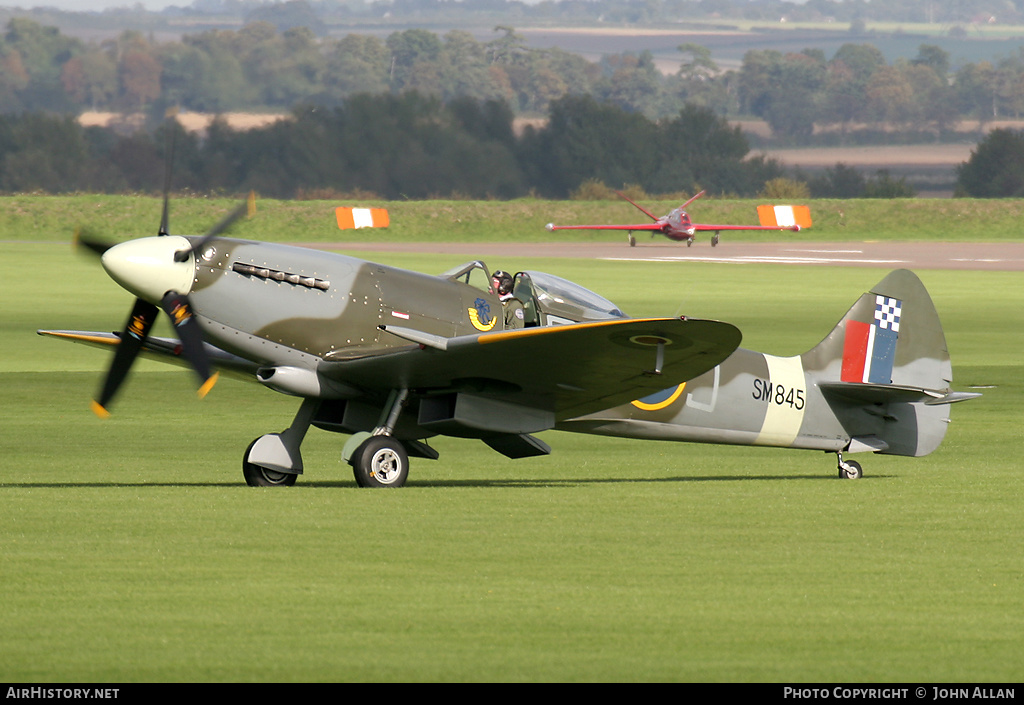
(274, 460)
(714, 240)
(381, 460)
(849, 469)
(632, 239)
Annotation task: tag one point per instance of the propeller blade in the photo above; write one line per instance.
(136, 329)
(87, 241)
(246, 208)
(186, 326)
(164, 216)
(172, 139)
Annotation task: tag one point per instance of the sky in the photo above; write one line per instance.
(85, 5)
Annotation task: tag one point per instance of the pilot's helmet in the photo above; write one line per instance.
(502, 281)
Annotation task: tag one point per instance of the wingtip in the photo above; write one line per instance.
(549, 227)
(99, 410)
(208, 385)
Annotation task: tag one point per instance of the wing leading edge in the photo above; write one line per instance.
(656, 227)
(162, 349)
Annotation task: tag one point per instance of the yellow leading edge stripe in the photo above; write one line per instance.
(544, 330)
(86, 338)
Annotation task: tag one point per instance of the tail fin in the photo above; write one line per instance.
(885, 370)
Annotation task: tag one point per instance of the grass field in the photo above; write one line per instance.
(32, 218)
(133, 551)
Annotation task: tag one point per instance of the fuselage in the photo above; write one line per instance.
(750, 399)
(287, 305)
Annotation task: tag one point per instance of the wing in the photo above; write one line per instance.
(644, 226)
(565, 370)
(792, 218)
(705, 226)
(162, 349)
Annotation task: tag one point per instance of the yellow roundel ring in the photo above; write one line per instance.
(474, 318)
(660, 400)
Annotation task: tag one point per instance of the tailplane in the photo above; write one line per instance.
(885, 370)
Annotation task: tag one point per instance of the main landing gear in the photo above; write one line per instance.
(849, 469)
(378, 459)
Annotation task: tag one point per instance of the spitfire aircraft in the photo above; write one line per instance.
(678, 226)
(394, 357)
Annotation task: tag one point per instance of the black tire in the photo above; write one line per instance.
(380, 461)
(259, 476)
(851, 470)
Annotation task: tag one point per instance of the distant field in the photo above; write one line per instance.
(191, 121)
(729, 40)
(929, 168)
(908, 156)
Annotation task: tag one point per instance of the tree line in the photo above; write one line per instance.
(256, 67)
(411, 146)
(393, 146)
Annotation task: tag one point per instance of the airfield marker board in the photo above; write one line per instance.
(351, 218)
(784, 216)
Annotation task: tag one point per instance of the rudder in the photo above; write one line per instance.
(885, 369)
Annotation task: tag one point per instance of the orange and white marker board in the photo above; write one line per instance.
(349, 218)
(785, 216)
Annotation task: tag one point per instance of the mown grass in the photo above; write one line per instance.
(55, 219)
(133, 552)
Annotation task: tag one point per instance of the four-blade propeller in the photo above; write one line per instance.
(144, 313)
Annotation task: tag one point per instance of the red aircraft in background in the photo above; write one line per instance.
(678, 226)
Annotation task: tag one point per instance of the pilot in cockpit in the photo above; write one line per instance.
(513, 308)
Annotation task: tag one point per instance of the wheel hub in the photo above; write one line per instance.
(386, 466)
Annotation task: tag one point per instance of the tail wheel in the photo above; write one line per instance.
(381, 461)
